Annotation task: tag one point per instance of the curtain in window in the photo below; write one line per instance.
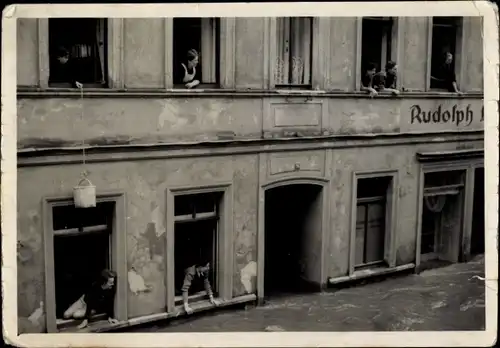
(293, 62)
(208, 50)
(100, 32)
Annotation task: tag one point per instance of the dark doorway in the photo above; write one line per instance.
(293, 240)
(478, 230)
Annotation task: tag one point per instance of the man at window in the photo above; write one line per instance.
(386, 80)
(196, 273)
(64, 69)
(367, 80)
(445, 76)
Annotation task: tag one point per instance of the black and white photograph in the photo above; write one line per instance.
(314, 170)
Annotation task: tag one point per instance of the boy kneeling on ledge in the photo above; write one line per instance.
(197, 272)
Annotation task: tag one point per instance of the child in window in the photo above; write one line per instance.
(187, 71)
(63, 69)
(197, 272)
(367, 80)
(99, 297)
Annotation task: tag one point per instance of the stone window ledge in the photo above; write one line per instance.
(179, 312)
(369, 273)
(34, 92)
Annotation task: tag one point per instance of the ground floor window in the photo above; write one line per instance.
(196, 242)
(442, 214)
(82, 249)
(371, 220)
(478, 218)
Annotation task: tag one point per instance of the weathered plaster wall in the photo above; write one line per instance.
(401, 158)
(27, 51)
(144, 52)
(415, 53)
(144, 184)
(342, 54)
(136, 120)
(249, 71)
(56, 122)
(473, 48)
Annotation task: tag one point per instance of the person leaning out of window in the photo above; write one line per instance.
(445, 76)
(386, 80)
(187, 74)
(65, 69)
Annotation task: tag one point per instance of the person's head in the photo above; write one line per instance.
(108, 278)
(448, 57)
(203, 268)
(192, 58)
(371, 69)
(62, 55)
(391, 67)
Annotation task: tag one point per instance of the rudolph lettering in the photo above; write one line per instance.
(455, 115)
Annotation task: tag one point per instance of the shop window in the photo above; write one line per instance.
(203, 36)
(82, 249)
(294, 47)
(444, 40)
(371, 212)
(441, 214)
(77, 50)
(196, 241)
(376, 44)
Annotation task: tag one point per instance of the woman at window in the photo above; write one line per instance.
(187, 74)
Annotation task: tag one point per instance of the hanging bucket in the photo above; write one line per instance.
(84, 196)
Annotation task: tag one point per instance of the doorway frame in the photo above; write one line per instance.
(325, 214)
(444, 162)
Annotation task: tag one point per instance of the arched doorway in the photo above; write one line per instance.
(293, 239)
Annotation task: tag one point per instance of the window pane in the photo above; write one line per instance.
(376, 42)
(294, 43)
(360, 234)
(68, 216)
(196, 203)
(437, 179)
(375, 235)
(373, 187)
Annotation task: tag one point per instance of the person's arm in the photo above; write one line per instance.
(73, 74)
(188, 279)
(110, 303)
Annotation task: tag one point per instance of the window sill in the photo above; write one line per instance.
(178, 312)
(33, 92)
(368, 273)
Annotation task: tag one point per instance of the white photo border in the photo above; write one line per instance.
(233, 339)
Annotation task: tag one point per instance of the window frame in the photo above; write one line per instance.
(390, 218)
(270, 55)
(397, 49)
(118, 254)
(458, 56)
(225, 240)
(227, 54)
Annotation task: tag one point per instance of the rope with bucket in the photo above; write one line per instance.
(84, 195)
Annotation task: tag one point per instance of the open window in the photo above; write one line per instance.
(196, 240)
(293, 52)
(445, 32)
(377, 42)
(442, 214)
(82, 249)
(77, 52)
(372, 221)
(202, 35)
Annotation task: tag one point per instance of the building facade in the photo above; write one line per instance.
(277, 167)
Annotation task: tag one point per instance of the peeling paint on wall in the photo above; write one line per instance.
(136, 283)
(154, 240)
(247, 274)
(157, 219)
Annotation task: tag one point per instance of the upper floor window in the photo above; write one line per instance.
(294, 47)
(378, 69)
(196, 52)
(77, 52)
(444, 44)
